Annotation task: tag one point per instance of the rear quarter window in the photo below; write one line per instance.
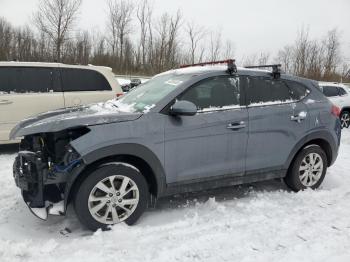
(83, 80)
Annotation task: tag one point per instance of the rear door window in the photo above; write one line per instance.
(330, 91)
(28, 80)
(262, 90)
(83, 80)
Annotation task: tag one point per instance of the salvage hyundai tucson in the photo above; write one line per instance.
(189, 129)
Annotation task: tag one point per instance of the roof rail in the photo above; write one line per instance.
(231, 65)
(276, 69)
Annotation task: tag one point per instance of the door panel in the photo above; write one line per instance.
(212, 142)
(21, 106)
(203, 146)
(273, 134)
(276, 123)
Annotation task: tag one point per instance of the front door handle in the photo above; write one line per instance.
(298, 118)
(5, 102)
(236, 126)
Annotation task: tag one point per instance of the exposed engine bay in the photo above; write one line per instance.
(43, 165)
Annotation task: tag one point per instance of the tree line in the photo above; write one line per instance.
(136, 41)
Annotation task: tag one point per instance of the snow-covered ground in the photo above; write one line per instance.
(259, 222)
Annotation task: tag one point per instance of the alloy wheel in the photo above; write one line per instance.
(310, 170)
(113, 199)
(345, 120)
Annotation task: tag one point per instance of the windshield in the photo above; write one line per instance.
(146, 96)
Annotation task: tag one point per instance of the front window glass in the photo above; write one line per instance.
(214, 94)
(147, 95)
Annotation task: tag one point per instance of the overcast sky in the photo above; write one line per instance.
(253, 25)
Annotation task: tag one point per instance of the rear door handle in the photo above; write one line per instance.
(236, 126)
(298, 118)
(5, 102)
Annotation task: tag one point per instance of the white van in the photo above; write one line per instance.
(27, 89)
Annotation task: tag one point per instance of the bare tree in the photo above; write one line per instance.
(263, 58)
(345, 72)
(172, 45)
(331, 45)
(301, 52)
(229, 50)
(120, 18)
(195, 35)
(144, 16)
(315, 60)
(5, 39)
(250, 60)
(56, 18)
(285, 57)
(215, 44)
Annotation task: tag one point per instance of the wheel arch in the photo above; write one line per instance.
(322, 139)
(346, 108)
(134, 154)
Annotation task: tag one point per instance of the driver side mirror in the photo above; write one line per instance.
(183, 108)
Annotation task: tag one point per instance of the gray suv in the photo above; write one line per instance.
(185, 130)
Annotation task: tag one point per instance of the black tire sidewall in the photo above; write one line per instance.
(292, 179)
(82, 194)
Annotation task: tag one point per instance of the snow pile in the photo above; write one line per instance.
(259, 222)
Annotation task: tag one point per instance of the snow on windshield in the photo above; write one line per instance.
(146, 96)
(143, 98)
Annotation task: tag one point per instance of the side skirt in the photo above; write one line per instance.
(221, 181)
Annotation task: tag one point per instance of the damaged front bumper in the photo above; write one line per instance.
(42, 185)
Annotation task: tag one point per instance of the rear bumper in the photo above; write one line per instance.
(335, 146)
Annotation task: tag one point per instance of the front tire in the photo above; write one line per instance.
(111, 194)
(345, 119)
(308, 169)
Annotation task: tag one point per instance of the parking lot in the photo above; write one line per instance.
(258, 222)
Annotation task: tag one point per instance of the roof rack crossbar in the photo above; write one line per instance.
(276, 69)
(231, 65)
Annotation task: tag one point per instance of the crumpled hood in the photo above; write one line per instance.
(58, 120)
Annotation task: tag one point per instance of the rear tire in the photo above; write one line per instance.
(345, 119)
(308, 169)
(111, 194)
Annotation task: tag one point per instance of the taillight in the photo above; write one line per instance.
(335, 111)
(119, 94)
